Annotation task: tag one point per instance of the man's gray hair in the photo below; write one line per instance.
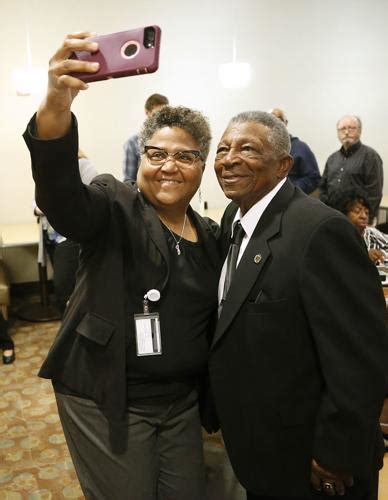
(278, 136)
(193, 122)
(353, 117)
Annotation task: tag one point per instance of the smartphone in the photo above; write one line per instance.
(126, 53)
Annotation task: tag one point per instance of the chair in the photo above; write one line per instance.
(4, 292)
(383, 227)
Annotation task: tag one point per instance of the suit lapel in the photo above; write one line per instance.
(247, 273)
(254, 258)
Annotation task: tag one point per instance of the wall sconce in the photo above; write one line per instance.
(235, 74)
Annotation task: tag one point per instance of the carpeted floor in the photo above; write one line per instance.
(34, 461)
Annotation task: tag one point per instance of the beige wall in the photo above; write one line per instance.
(318, 59)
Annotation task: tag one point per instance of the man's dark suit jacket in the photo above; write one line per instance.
(299, 359)
(124, 254)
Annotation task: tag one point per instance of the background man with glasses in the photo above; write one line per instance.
(355, 164)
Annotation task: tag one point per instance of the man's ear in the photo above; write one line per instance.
(285, 165)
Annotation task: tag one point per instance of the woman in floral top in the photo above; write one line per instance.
(355, 205)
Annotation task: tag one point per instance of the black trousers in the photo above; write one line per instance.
(5, 340)
(162, 456)
(363, 489)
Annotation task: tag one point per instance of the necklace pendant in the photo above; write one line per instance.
(177, 248)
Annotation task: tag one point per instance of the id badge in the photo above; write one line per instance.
(148, 340)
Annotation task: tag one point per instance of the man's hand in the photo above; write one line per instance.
(54, 116)
(330, 482)
(376, 256)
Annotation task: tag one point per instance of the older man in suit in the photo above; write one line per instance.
(299, 359)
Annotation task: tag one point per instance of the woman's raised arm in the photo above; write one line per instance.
(54, 114)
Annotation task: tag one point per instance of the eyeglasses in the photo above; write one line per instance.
(184, 159)
(350, 128)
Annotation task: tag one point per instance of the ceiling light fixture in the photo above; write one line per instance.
(235, 74)
(29, 79)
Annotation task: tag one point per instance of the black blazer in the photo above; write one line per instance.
(123, 255)
(299, 359)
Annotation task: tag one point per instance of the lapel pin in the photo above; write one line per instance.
(257, 258)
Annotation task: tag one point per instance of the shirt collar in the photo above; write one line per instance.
(250, 219)
(350, 151)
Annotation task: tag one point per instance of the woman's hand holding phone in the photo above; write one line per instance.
(82, 59)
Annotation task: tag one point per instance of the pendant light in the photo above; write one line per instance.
(29, 79)
(234, 75)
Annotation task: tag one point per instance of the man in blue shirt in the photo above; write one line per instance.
(304, 172)
(131, 147)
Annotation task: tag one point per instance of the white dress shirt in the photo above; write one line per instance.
(248, 221)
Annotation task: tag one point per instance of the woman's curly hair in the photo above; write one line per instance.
(193, 122)
(344, 199)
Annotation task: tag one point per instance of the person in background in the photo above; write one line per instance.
(6, 342)
(131, 354)
(304, 172)
(63, 252)
(132, 154)
(355, 164)
(355, 205)
(298, 363)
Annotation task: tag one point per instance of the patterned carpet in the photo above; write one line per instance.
(34, 461)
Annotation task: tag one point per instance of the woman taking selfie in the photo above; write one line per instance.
(128, 360)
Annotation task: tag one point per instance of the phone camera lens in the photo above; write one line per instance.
(130, 50)
(149, 37)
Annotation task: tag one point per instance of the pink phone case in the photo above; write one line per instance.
(127, 53)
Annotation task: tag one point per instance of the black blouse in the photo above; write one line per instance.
(187, 312)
